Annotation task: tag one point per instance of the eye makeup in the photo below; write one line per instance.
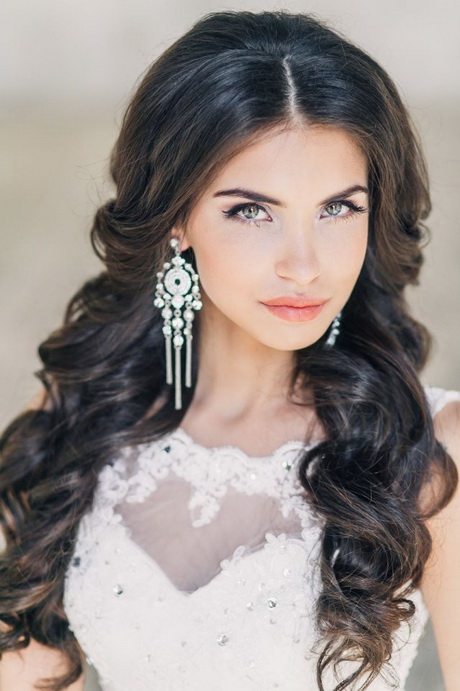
(232, 213)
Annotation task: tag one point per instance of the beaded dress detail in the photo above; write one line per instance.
(197, 568)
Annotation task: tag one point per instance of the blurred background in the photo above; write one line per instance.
(67, 70)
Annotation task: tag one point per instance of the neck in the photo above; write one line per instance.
(237, 375)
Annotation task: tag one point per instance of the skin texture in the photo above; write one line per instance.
(307, 247)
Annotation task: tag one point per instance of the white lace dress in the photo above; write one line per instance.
(197, 569)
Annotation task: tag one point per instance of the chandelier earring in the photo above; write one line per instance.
(335, 330)
(178, 295)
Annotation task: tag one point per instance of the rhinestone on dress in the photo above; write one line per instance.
(271, 602)
(250, 605)
(222, 639)
(117, 589)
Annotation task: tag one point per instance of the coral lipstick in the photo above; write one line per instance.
(295, 308)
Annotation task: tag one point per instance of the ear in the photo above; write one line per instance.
(180, 234)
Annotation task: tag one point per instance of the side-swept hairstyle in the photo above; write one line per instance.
(228, 81)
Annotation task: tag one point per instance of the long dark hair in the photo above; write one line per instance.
(233, 77)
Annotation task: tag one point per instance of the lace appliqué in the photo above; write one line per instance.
(210, 472)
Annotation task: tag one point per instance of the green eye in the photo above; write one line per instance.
(334, 208)
(255, 210)
(238, 213)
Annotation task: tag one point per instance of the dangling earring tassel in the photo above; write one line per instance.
(335, 330)
(169, 378)
(188, 360)
(177, 289)
(178, 384)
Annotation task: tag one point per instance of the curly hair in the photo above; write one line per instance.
(232, 78)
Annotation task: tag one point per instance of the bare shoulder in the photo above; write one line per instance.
(20, 670)
(447, 428)
(444, 524)
(439, 586)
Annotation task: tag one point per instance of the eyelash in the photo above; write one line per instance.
(232, 213)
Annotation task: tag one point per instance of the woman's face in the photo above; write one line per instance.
(308, 240)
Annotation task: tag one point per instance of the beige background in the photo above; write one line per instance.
(67, 68)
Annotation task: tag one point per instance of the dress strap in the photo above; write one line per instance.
(438, 397)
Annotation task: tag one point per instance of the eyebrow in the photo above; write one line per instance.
(259, 197)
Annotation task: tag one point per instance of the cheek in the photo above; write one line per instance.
(222, 265)
(346, 255)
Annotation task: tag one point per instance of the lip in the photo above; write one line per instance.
(295, 301)
(295, 314)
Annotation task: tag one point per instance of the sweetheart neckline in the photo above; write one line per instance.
(238, 552)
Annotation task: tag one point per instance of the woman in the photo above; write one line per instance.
(234, 479)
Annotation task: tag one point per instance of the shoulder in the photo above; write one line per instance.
(440, 580)
(447, 428)
(445, 407)
(22, 669)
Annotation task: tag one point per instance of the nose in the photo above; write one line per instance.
(298, 258)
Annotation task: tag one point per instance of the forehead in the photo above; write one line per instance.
(296, 157)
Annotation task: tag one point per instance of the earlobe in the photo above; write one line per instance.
(184, 244)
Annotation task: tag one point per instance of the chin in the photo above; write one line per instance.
(282, 342)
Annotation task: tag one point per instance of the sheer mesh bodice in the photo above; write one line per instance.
(197, 568)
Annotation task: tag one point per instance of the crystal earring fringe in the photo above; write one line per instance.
(177, 289)
(335, 330)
